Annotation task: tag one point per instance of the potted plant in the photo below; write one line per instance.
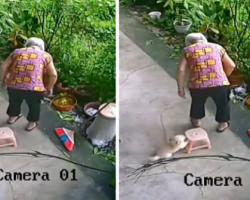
(62, 88)
(93, 105)
(183, 11)
(155, 15)
(239, 74)
(236, 78)
(247, 102)
(182, 25)
(246, 71)
(83, 93)
(209, 30)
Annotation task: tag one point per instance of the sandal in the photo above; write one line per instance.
(17, 118)
(222, 130)
(194, 125)
(30, 129)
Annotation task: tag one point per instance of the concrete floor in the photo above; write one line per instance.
(91, 185)
(150, 112)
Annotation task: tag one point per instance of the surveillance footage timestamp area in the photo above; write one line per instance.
(64, 175)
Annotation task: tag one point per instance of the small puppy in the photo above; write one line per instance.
(173, 145)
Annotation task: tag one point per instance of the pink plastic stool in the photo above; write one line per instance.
(7, 137)
(196, 135)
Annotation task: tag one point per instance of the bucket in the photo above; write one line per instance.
(155, 15)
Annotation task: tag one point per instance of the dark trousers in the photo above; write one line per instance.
(220, 96)
(32, 98)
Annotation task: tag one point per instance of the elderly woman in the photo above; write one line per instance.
(209, 66)
(23, 72)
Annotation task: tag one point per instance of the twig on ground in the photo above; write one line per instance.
(38, 154)
(227, 157)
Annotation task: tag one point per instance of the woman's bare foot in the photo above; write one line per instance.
(222, 127)
(196, 122)
(12, 120)
(30, 126)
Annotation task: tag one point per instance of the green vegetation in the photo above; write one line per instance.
(110, 156)
(226, 22)
(80, 35)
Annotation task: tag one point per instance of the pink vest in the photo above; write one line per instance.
(28, 69)
(205, 63)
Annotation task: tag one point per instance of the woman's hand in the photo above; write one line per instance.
(4, 86)
(48, 92)
(4, 68)
(181, 93)
(181, 74)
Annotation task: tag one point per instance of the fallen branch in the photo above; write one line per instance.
(141, 170)
(38, 154)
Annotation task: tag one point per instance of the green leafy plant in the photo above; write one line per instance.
(80, 36)
(110, 156)
(112, 183)
(181, 9)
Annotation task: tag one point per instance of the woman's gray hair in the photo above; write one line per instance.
(194, 38)
(37, 42)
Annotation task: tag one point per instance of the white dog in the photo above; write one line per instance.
(173, 145)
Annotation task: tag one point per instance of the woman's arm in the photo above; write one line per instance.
(228, 64)
(181, 73)
(52, 76)
(5, 67)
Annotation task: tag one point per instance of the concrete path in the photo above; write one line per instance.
(150, 112)
(90, 185)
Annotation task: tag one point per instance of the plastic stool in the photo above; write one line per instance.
(7, 137)
(196, 135)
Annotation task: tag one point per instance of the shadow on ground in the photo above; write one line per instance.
(160, 53)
